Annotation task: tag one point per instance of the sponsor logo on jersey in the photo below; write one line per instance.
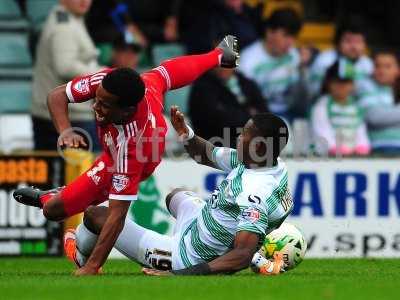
(93, 172)
(120, 182)
(251, 214)
(82, 86)
(254, 199)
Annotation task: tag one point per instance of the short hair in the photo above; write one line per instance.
(387, 51)
(286, 19)
(126, 84)
(354, 25)
(269, 125)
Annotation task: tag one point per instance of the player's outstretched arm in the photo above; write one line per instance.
(57, 103)
(109, 233)
(198, 148)
(237, 259)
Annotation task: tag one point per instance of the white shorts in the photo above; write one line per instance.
(155, 250)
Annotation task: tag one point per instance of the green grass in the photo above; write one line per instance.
(23, 278)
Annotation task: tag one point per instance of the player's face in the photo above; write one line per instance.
(386, 69)
(352, 45)
(278, 41)
(78, 7)
(107, 110)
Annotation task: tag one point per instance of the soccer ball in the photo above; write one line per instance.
(288, 240)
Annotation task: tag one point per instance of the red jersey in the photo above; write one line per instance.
(134, 149)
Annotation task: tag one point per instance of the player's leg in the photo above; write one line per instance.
(90, 188)
(183, 70)
(135, 242)
(183, 205)
(37, 198)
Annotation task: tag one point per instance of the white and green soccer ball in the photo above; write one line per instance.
(289, 241)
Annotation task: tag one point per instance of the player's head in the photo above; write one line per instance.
(281, 29)
(118, 96)
(350, 38)
(387, 67)
(263, 138)
(77, 7)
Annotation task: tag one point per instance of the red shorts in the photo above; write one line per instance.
(90, 188)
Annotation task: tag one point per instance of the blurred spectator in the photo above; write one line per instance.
(125, 54)
(223, 98)
(100, 23)
(201, 23)
(65, 50)
(152, 21)
(351, 46)
(274, 64)
(336, 119)
(381, 104)
(147, 21)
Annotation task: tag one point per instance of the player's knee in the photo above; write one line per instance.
(53, 210)
(95, 217)
(171, 195)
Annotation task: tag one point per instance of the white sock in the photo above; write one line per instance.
(85, 240)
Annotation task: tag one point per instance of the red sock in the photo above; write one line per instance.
(186, 69)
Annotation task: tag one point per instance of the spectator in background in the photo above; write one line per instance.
(337, 121)
(146, 21)
(350, 41)
(152, 21)
(223, 98)
(381, 104)
(274, 63)
(65, 50)
(203, 22)
(100, 23)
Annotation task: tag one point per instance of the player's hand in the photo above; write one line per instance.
(71, 139)
(154, 272)
(178, 122)
(87, 271)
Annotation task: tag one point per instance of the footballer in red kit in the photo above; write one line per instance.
(128, 107)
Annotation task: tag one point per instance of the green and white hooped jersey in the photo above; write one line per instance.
(254, 200)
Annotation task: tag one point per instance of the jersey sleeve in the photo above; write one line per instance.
(83, 88)
(128, 169)
(225, 159)
(158, 78)
(253, 215)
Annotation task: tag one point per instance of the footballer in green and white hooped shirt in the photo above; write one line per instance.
(220, 234)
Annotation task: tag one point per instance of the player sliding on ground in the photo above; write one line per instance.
(222, 233)
(131, 127)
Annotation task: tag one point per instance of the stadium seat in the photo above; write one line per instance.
(166, 51)
(9, 9)
(14, 25)
(14, 50)
(38, 10)
(320, 35)
(15, 132)
(15, 96)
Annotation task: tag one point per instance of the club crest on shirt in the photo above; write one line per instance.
(120, 182)
(251, 214)
(82, 86)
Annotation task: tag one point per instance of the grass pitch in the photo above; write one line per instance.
(24, 278)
